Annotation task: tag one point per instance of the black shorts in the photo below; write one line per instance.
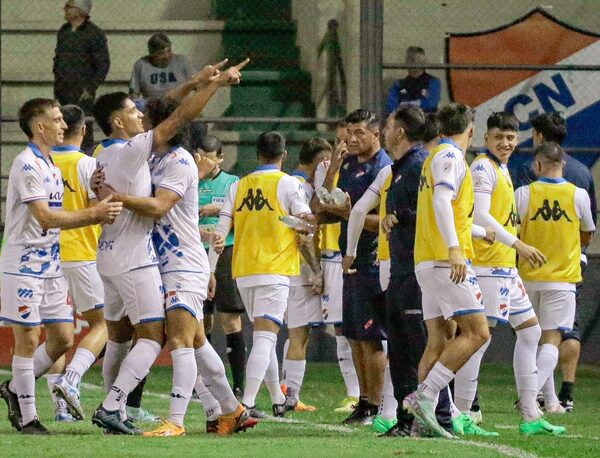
(227, 299)
(363, 307)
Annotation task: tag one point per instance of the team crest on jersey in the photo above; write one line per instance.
(254, 201)
(24, 311)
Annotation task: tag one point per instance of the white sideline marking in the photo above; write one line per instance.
(579, 436)
(502, 449)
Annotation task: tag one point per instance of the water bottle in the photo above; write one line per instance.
(339, 197)
(297, 223)
(324, 196)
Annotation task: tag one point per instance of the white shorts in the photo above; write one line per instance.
(265, 301)
(304, 308)
(85, 286)
(333, 278)
(384, 274)
(32, 301)
(441, 297)
(138, 294)
(192, 302)
(505, 300)
(555, 309)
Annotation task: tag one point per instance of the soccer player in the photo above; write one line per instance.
(304, 301)
(555, 217)
(34, 291)
(504, 295)
(552, 127)
(331, 264)
(364, 302)
(443, 246)
(227, 301)
(78, 258)
(265, 256)
(127, 262)
(183, 264)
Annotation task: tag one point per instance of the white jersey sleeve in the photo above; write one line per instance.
(522, 201)
(85, 170)
(584, 211)
(320, 174)
(177, 177)
(292, 195)
(28, 180)
(379, 181)
(135, 153)
(448, 169)
(484, 176)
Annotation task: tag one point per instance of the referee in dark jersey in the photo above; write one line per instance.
(551, 127)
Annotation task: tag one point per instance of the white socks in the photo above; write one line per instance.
(23, 384)
(438, 378)
(211, 406)
(211, 368)
(525, 369)
(550, 397)
(344, 354)
(184, 378)
(465, 382)
(41, 361)
(272, 379)
(81, 362)
(547, 358)
(389, 404)
(114, 355)
(293, 375)
(257, 364)
(134, 368)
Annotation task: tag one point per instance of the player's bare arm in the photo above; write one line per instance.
(105, 212)
(151, 207)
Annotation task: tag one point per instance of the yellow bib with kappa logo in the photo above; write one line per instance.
(429, 244)
(503, 210)
(330, 233)
(552, 226)
(75, 244)
(262, 245)
(383, 244)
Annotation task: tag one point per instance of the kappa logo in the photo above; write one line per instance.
(554, 213)
(480, 168)
(67, 185)
(27, 168)
(24, 293)
(499, 271)
(513, 218)
(254, 201)
(423, 183)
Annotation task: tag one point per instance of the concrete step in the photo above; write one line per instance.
(105, 11)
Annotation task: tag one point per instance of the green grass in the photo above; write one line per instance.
(316, 434)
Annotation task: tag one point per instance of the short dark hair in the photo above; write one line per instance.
(311, 148)
(412, 120)
(369, 117)
(105, 106)
(432, 127)
(195, 134)
(455, 118)
(157, 110)
(270, 145)
(503, 120)
(550, 152)
(552, 126)
(341, 123)
(415, 50)
(74, 118)
(210, 143)
(31, 109)
(158, 42)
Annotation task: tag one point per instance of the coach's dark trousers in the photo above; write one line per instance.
(407, 337)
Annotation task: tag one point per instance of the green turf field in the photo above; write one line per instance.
(312, 434)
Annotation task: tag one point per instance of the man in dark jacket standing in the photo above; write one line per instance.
(81, 60)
